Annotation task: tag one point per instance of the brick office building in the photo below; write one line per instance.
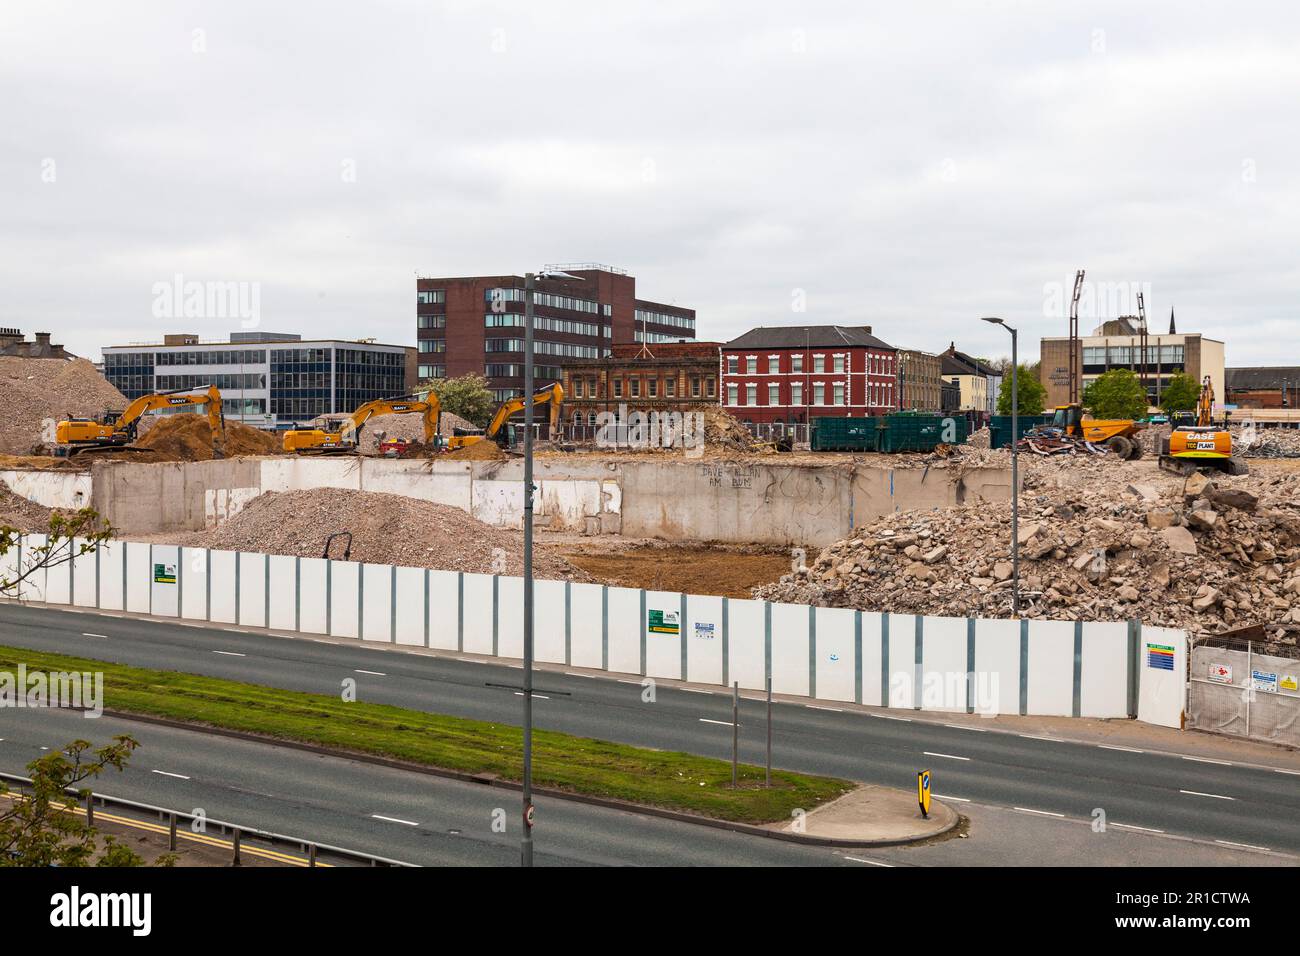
(676, 376)
(476, 324)
(787, 375)
(920, 381)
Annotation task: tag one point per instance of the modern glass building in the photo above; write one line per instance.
(270, 380)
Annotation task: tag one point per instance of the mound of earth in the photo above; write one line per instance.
(189, 438)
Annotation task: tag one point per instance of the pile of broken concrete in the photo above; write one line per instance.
(1207, 555)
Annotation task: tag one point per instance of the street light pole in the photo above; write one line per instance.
(1015, 467)
(526, 849)
(526, 846)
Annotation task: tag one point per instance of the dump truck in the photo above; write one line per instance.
(117, 431)
(347, 438)
(1120, 435)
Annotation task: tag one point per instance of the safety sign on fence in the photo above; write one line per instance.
(664, 622)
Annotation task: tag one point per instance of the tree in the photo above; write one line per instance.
(42, 828)
(1032, 393)
(1181, 394)
(466, 396)
(68, 536)
(1116, 394)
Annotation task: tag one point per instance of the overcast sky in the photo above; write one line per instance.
(910, 171)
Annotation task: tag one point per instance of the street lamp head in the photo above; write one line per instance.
(994, 319)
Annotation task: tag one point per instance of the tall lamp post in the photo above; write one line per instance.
(1015, 468)
(526, 847)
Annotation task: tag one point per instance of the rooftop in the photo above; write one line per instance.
(809, 336)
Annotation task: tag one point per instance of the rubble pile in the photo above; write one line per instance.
(22, 514)
(188, 437)
(1270, 443)
(725, 430)
(1205, 554)
(35, 393)
(385, 529)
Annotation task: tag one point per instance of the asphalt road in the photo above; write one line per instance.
(1143, 792)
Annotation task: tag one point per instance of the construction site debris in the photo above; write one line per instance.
(484, 450)
(1100, 540)
(1269, 443)
(18, 512)
(385, 529)
(36, 392)
(189, 438)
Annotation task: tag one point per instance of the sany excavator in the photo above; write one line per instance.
(86, 434)
(1201, 444)
(552, 395)
(348, 438)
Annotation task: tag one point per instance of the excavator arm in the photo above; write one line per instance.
(552, 395)
(123, 428)
(346, 438)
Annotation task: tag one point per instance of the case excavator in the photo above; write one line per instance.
(347, 438)
(1200, 443)
(76, 435)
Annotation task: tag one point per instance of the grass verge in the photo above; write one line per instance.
(675, 781)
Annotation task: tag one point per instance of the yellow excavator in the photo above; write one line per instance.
(76, 435)
(552, 395)
(346, 439)
(1120, 435)
(1200, 444)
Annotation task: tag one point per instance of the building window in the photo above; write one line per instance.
(773, 364)
(839, 393)
(652, 388)
(796, 362)
(577, 388)
(838, 365)
(432, 371)
(732, 396)
(796, 393)
(634, 385)
(709, 390)
(819, 393)
(429, 297)
(751, 364)
(751, 394)
(774, 394)
(670, 387)
(431, 321)
(819, 364)
(433, 345)
(695, 386)
(732, 362)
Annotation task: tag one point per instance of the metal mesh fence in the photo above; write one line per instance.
(1240, 692)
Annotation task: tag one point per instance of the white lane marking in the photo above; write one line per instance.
(230, 653)
(1197, 793)
(694, 690)
(1130, 826)
(371, 673)
(1127, 750)
(1046, 813)
(89, 634)
(1244, 846)
(906, 720)
(858, 859)
(944, 796)
(1224, 763)
(724, 723)
(930, 753)
(1294, 773)
(572, 674)
(407, 823)
(833, 710)
(520, 693)
(622, 680)
(164, 773)
(1034, 737)
(978, 730)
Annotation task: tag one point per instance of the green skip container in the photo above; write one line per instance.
(913, 432)
(844, 434)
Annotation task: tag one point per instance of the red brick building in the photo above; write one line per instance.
(788, 375)
(674, 376)
(476, 324)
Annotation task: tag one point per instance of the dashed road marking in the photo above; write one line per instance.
(858, 859)
(164, 773)
(930, 753)
(91, 634)
(978, 730)
(405, 823)
(724, 723)
(833, 710)
(944, 796)
(520, 693)
(230, 653)
(1045, 813)
(1127, 750)
(906, 720)
(1130, 826)
(1224, 763)
(1197, 793)
(371, 673)
(1244, 846)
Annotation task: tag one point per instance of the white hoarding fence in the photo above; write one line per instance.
(959, 665)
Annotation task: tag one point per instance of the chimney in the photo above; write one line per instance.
(868, 329)
(43, 339)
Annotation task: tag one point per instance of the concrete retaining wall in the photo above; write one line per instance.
(775, 504)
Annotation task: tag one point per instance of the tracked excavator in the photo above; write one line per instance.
(347, 438)
(552, 395)
(1200, 443)
(76, 435)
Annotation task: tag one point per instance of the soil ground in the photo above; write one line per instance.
(655, 565)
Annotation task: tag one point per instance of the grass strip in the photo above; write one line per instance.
(580, 765)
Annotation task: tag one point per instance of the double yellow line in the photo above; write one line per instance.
(181, 834)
